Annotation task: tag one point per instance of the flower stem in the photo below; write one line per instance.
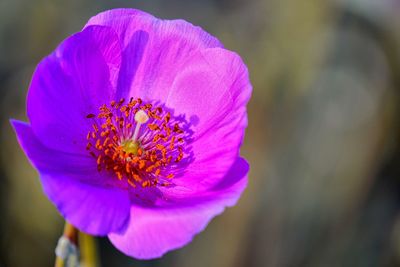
(88, 249)
(71, 234)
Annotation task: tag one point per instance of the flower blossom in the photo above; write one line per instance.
(135, 126)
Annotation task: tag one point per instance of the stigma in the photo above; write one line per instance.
(140, 144)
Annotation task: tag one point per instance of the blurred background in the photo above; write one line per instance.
(323, 139)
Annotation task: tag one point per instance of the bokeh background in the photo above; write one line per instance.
(323, 139)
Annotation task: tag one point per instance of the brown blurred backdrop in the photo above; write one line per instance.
(323, 139)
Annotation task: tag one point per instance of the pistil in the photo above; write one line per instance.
(140, 117)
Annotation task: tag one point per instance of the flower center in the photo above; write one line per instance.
(139, 143)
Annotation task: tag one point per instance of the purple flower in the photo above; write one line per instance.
(135, 129)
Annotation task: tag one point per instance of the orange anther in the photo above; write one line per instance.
(136, 177)
(88, 146)
(131, 183)
(167, 117)
(153, 126)
(142, 164)
(160, 147)
(171, 145)
(106, 141)
(99, 160)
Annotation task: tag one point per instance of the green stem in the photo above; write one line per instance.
(88, 248)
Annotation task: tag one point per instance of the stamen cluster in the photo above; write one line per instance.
(137, 142)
